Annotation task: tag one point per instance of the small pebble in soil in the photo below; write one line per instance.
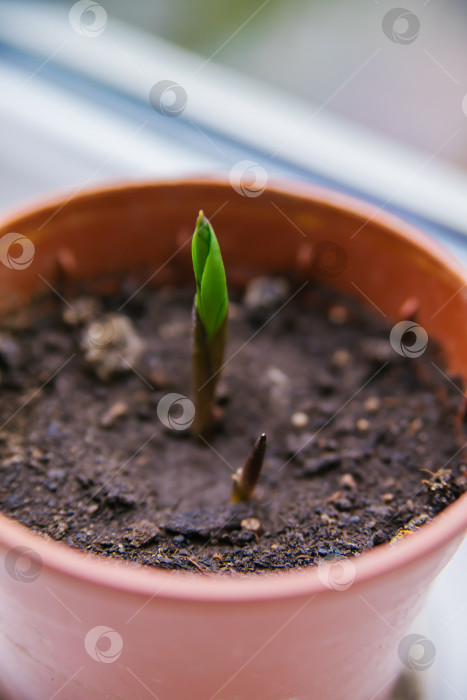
(348, 481)
(116, 411)
(326, 519)
(251, 524)
(277, 376)
(372, 404)
(83, 310)
(362, 425)
(415, 426)
(341, 358)
(111, 345)
(338, 314)
(142, 533)
(299, 419)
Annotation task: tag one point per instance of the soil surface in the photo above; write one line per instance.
(362, 446)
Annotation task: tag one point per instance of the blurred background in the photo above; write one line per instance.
(412, 91)
(366, 96)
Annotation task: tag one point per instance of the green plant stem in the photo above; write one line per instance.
(210, 316)
(208, 357)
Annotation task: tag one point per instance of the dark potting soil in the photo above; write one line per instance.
(362, 446)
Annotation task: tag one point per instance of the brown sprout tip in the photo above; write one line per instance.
(246, 478)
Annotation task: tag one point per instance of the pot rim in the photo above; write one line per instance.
(445, 528)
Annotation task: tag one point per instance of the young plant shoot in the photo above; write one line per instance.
(210, 322)
(246, 478)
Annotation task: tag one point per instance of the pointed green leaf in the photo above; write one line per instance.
(211, 286)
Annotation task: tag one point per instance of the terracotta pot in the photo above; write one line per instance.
(78, 627)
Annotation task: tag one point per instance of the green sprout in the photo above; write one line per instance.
(210, 322)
